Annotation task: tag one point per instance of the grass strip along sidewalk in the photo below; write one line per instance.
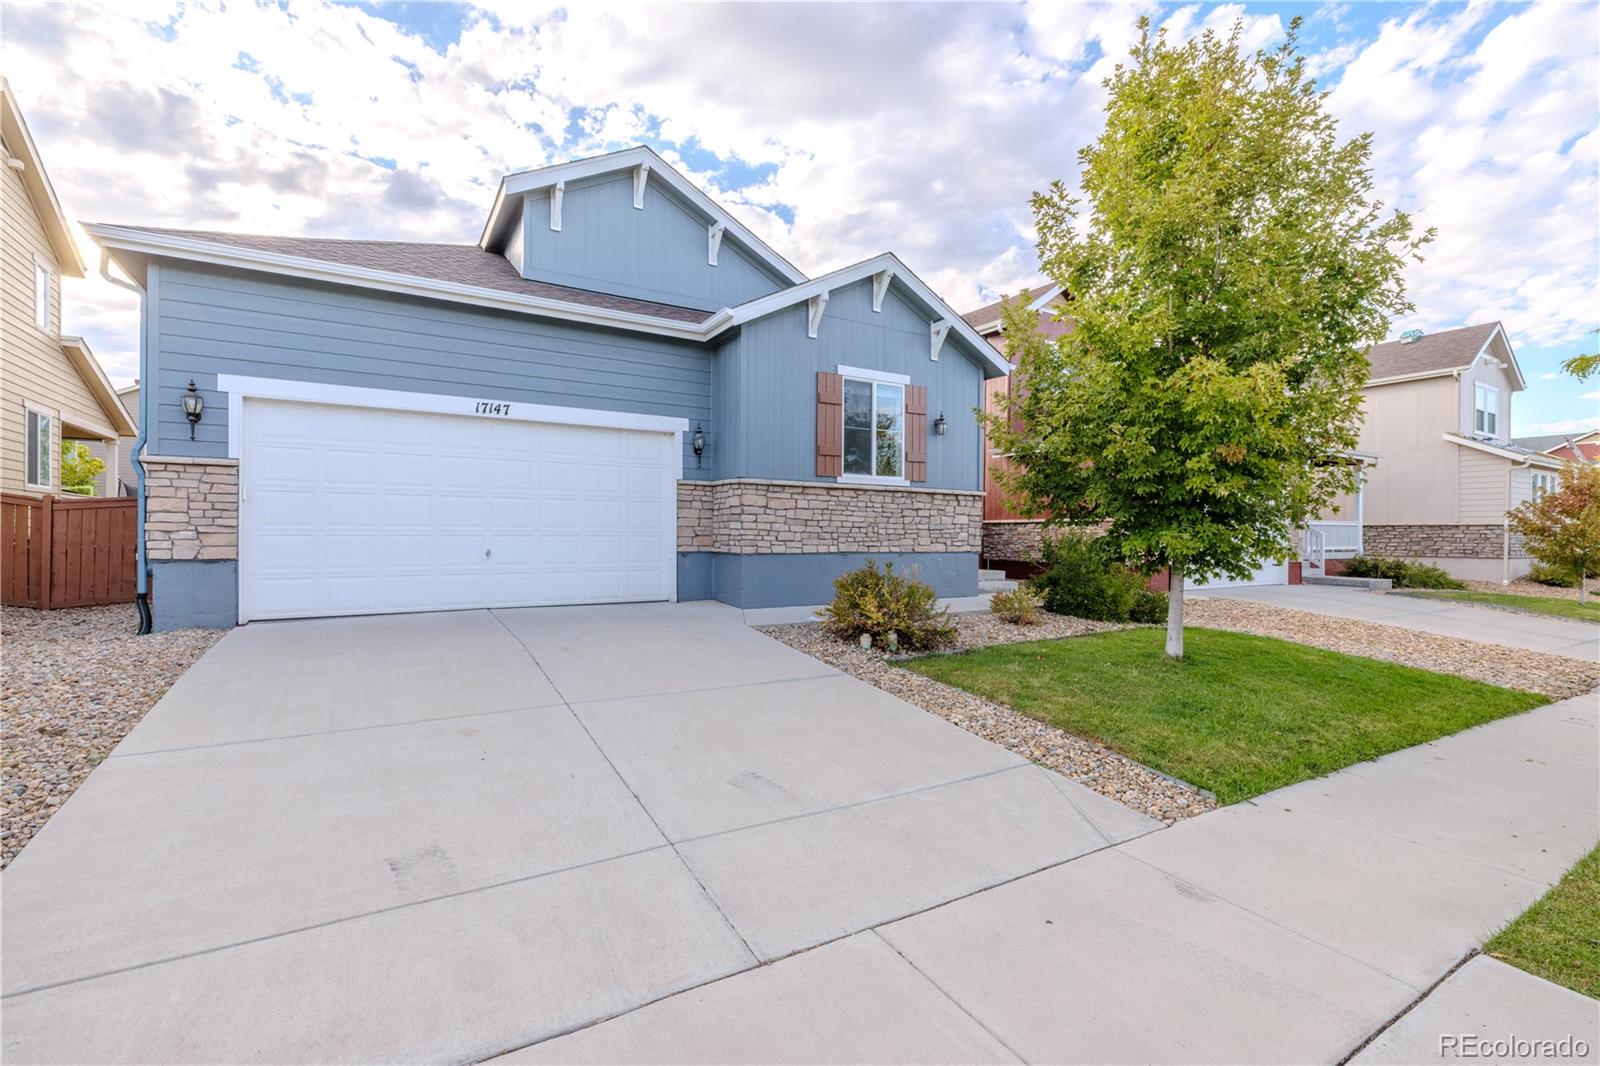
(1240, 715)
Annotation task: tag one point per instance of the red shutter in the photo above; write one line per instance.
(830, 424)
(916, 432)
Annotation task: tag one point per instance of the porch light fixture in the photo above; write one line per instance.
(193, 405)
(940, 427)
(698, 443)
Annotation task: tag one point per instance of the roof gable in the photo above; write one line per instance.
(19, 142)
(645, 168)
(986, 319)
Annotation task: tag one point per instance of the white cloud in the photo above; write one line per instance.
(920, 130)
(1565, 425)
(1592, 397)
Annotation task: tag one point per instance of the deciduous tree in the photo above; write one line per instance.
(1228, 266)
(1562, 527)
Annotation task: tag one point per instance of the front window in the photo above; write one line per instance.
(1486, 410)
(41, 296)
(874, 429)
(38, 475)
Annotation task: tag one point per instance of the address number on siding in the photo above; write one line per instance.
(490, 407)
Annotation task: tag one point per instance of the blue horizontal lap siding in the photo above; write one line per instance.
(206, 322)
(767, 387)
(655, 253)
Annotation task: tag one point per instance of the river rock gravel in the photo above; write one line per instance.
(1556, 676)
(1128, 782)
(72, 684)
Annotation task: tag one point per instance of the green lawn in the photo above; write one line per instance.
(1558, 938)
(1583, 612)
(1240, 715)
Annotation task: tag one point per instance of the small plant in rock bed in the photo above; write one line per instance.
(1555, 576)
(1019, 606)
(1404, 573)
(894, 612)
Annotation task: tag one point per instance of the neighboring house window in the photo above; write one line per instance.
(41, 295)
(874, 428)
(38, 474)
(1486, 410)
(1542, 483)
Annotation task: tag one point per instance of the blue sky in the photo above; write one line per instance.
(834, 131)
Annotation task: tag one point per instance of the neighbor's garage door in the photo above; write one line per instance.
(361, 511)
(1267, 574)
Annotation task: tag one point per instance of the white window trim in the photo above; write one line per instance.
(239, 388)
(1494, 399)
(50, 465)
(876, 377)
(41, 316)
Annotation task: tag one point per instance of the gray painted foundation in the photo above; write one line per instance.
(802, 580)
(194, 594)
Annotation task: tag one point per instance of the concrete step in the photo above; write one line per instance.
(1374, 584)
(991, 575)
(993, 584)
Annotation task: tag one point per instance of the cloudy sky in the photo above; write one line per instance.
(834, 131)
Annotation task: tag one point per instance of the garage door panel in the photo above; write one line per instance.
(351, 511)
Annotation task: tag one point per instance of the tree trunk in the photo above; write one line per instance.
(1175, 612)
(1583, 580)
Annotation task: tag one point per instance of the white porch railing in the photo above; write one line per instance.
(1340, 540)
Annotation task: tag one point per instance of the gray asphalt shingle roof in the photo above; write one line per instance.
(990, 312)
(461, 264)
(1445, 350)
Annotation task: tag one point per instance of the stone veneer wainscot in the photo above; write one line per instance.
(1439, 542)
(753, 517)
(191, 508)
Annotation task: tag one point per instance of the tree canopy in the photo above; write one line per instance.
(1228, 265)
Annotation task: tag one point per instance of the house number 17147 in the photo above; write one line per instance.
(487, 407)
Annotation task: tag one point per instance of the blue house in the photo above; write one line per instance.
(620, 393)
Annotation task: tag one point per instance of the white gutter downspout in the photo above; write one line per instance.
(1505, 523)
(142, 575)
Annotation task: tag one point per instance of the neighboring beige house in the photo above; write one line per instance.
(123, 479)
(51, 387)
(1438, 413)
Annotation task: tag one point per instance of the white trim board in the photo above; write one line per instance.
(861, 374)
(240, 388)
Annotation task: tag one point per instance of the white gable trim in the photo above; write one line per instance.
(1536, 458)
(645, 164)
(1044, 300)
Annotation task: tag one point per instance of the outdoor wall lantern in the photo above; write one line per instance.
(193, 405)
(698, 443)
(940, 427)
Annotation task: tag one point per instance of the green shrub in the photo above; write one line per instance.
(1560, 577)
(1079, 580)
(1403, 572)
(1019, 606)
(1149, 607)
(898, 612)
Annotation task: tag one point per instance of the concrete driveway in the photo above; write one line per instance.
(1579, 640)
(445, 837)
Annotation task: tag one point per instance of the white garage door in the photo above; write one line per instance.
(1268, 574)
(350, 510)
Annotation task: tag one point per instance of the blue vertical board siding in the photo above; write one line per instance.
(654, 253)
(207, 321)
(770, 429)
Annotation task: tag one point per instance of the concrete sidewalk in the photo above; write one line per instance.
(1579, 640)
(1292, 928)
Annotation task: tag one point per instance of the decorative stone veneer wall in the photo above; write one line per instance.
(1447, 542)
(745, 517)
(191, 508)
(1013, 541)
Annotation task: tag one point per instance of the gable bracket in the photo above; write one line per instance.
(713, 241)
(880, 287)
(936, 335)
(641, 175)
(557, 191)
(814, 308)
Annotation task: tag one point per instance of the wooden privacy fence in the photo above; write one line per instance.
(67, 552)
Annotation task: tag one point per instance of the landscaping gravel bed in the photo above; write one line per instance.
(1129, 783)
(1556, 676)
(74, 683)
(1523, 587)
